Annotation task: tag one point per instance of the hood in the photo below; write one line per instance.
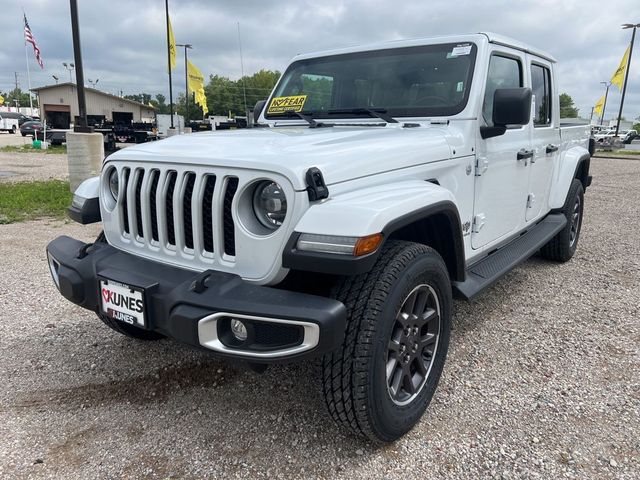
(342, 153)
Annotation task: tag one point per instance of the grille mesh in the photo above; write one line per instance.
(207, 213)
(186, 210)
(229, 227)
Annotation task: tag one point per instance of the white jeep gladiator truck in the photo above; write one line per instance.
(383, 180)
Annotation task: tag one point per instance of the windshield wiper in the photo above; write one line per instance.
(380, 113)
(307, 117)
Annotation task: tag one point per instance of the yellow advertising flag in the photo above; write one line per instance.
(1, 99)
(195, 79)
(599, 106)
(618, 76)
(172, 47)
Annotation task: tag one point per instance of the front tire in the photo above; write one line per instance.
(562, 247)
(382, 378)
(13, 129)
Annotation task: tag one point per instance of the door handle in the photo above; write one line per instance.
(552, 148)
(524, 154)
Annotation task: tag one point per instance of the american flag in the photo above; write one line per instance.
(29, 38)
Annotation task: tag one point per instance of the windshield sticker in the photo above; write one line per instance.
(460, 50)
(293, 103)
(459, 86)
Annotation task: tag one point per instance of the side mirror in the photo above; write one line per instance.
(257, 110)
(511, 106)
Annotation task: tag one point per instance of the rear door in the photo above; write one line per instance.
(502, 181)
(545, 137)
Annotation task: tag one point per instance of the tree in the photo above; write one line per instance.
(225, 95)
(17, 94)
(567, 109)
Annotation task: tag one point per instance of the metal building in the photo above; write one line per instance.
(59, 106)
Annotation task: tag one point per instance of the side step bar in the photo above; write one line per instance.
(482, 274)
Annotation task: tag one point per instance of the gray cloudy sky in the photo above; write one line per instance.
(124, 41)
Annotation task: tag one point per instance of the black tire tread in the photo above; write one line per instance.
(558, 249)
(344, 370)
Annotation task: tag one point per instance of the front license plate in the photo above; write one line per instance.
(122, 302)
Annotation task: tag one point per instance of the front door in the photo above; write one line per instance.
(545, 139)
(502, 179)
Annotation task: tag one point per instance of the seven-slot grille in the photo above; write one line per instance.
(178, 210)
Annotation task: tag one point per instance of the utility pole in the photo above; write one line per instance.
(606, 94)
(626, 73)
(166, 8)
(15, 74)
(77, 56)
(186, 80)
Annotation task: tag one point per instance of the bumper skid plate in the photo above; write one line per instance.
(198, 308)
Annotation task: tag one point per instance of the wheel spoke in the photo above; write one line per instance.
(410, 303)
(394, 346)
(396, 380)
(407, 382)
(428, 339)
(421, 302)
(392, 363)
(427, 317)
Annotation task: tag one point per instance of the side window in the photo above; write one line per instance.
(541, 89)
(504, 72)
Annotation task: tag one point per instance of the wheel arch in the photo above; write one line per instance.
(575, 164)
(417, 211)
(436, 226)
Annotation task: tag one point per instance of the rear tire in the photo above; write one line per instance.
(13, 129)
(379, 382)
(562, 247)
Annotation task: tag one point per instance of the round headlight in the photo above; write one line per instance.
(270, 204)
(114, 183)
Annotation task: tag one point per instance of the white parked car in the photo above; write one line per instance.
(385, 180)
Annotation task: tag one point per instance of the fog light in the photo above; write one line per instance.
(239, 330)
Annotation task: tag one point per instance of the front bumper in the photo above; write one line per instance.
(194, 308)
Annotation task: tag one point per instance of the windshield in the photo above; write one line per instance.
(432, 80)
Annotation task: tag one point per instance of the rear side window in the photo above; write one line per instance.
(504, 72)
(541, 89)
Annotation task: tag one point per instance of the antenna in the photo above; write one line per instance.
(244, 87)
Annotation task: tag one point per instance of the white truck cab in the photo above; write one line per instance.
(383, 180)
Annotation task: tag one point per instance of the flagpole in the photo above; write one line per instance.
(626, 77)
(26, 56)
(166, 8)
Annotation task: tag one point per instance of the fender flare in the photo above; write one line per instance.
(573, 161)
(385, 209)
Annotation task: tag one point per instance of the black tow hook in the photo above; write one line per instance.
(199, 284)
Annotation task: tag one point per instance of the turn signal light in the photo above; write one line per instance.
(368, 244)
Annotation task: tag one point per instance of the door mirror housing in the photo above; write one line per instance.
(511, 106)
(257, 110)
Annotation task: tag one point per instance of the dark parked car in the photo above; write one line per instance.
(29, 128)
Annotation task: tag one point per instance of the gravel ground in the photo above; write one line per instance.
(19, 167)
(541, 380)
